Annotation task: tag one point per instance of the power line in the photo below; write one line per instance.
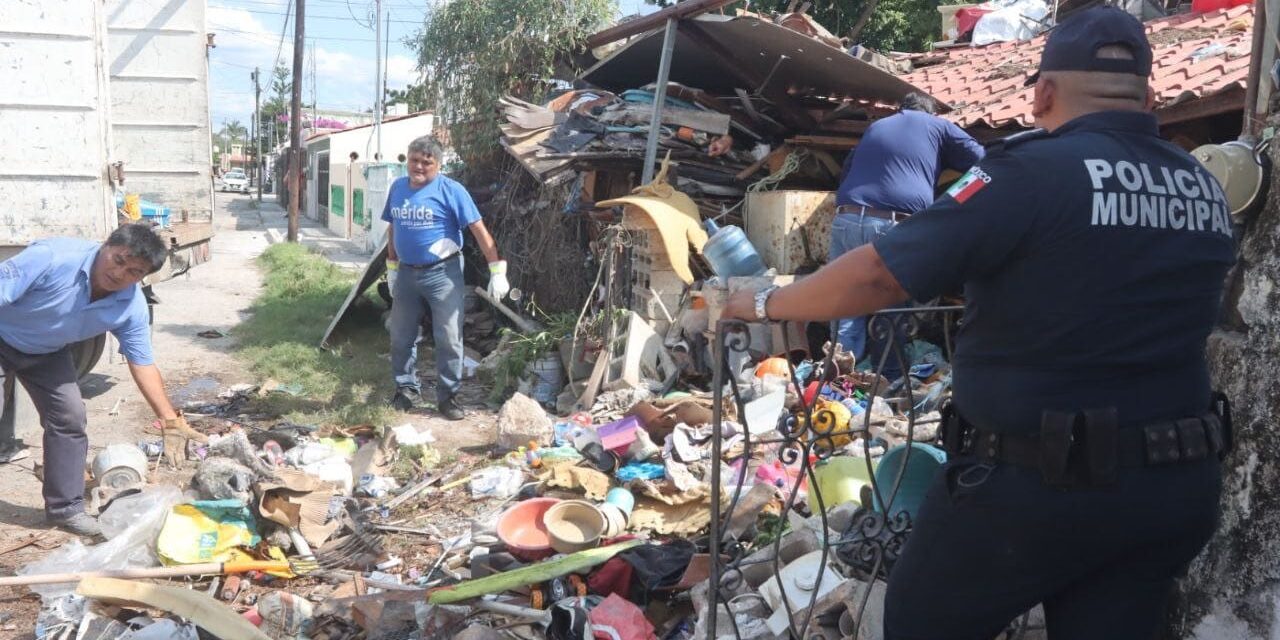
(335, 3)
(230, 64)
(246, 34)
(315, 17)
(280, 45)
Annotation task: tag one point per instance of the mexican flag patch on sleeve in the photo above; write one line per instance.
(970, 183)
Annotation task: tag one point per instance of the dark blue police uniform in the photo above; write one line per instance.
(1092, 261)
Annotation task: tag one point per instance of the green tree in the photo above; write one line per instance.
(883, 25)
(233, 131)
(892, 25)
(275, 103)
(414, 95)
(472, 52)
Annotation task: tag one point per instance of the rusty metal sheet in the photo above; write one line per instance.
(773, 52)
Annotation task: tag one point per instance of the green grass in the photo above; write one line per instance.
(280, 340)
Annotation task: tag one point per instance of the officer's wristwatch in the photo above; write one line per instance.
(762, 299)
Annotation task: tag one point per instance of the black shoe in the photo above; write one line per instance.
(81, 524)
(450, 410)
(405, 399)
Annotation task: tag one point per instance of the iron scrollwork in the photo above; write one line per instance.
(872, 539)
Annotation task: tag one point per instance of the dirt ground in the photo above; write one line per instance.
(215, 295)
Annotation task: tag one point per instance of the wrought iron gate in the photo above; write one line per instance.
(870, 543)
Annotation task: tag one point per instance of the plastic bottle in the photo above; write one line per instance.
(275, 454)
(730, 252)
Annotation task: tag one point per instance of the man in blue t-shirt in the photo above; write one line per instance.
(427, 212)
(889, 176)
(54, 294)
(1083, 440)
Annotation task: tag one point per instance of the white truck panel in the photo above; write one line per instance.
(53, 161)
(159, 75)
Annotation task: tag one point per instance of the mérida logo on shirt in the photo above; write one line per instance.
(970, 183)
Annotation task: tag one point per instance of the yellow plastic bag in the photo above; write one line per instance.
(132, 207)
(205, 531)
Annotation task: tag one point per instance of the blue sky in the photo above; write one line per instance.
(340, 49)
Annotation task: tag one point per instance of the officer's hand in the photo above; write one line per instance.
(741, 306)
(498, 285)
(393, 272)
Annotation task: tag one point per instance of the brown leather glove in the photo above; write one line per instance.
(176, 434)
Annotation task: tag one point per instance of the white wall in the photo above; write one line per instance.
(396, 136)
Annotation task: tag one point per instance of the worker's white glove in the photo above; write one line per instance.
(393, 271)
(498, 285)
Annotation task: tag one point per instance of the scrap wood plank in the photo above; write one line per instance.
(834, 143)
(780, 152)
(845, 126)
(709, 121)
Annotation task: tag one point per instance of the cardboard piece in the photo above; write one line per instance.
(298, 501)
(566, 476)
(680, 514)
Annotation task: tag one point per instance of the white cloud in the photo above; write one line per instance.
(344, 71)
(401, 70)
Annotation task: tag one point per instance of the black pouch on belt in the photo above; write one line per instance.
(1057, 433)
(952, 430)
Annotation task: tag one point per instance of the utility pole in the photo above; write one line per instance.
(377, 81)
(257, 133)
(295, 119)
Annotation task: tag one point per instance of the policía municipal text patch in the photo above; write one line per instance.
(970, 183)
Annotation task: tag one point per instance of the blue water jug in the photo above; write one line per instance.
(730, 252)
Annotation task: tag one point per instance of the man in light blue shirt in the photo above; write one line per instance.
(427, 213)
(59, 292)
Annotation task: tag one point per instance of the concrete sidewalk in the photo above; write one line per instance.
(348, 254)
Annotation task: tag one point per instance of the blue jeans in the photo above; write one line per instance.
(848, 232)
(439, 288)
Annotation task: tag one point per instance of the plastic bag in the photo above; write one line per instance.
(205, 531)
(285, 615)
(163, 629)
(1013, 20)
(496, 482)
(334, 469)
(131, 547)
(624, 619)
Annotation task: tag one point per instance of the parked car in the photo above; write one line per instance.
(235, 180)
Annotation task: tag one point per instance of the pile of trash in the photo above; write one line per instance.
(595, 522)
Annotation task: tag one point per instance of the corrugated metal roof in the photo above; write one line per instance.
(983, 85)
(771, 52)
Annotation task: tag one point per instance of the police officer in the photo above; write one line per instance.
(1084, 470)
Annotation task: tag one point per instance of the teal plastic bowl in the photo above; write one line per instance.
(916, 470)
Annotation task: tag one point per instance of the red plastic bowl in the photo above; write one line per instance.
(521, 527)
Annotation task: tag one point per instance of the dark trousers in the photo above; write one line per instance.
(50, 380)
(992, 541)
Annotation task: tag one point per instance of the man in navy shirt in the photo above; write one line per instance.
(889, 176)
(427, 212)
(59, 292)
(1084, 444)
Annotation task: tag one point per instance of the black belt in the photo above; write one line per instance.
(1087, 447)
(883, 214)
(433, 264)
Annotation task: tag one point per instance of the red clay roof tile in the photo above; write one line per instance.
(984, 84)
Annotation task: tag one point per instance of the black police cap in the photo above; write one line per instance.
(1073, 45)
